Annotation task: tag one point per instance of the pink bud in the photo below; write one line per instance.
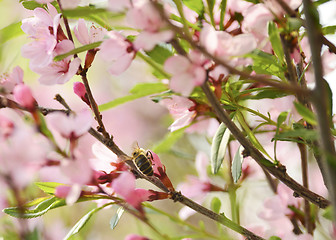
(79, 89)
(24, 96)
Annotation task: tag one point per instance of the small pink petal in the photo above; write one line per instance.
(124, 185)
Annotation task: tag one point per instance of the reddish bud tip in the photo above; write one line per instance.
(23, 95)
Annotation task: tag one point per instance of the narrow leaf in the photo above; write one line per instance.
(77, 50)
(39, 210)
(139, 91)
(222, 14)
(115, 219)
(273, 33)
(160, 53)
(211, 4)
(81, 223)
(11, 31)
(169, 140)
(328, 213)
(307, 115)
(48, 187)
(236, 168)
(195, 5)
(218, 147)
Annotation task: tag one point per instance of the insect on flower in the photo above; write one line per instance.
(143, 160)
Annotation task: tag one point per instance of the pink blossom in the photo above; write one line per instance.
(119, 5)
(256, 19)
(44, 1)
(144, 16)
(73, 126)
(6, 127)
(186, 73)
(148, 40)
(118, 52)
(24, 96)
(59, 72)
(223, 45)
(62, 191)
(9, 81)
(87, 36)
(179, 109)
(40, 50)
(103, 158)
(135, 237)
(18, 165)
(124, 185)
(77, 170)
(276, 207)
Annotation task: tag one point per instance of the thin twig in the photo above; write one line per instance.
(304, 170)
(277, 171)
(320, 95)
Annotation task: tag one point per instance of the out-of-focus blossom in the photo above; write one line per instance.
(24, 96)
(59, 72)
(44, 1)
(87, 36)
(179, 108)
(69, 193)
(275, 7)
(223, 45)
(118, 52)
(21, 166)
(255, 21)
(124, 185)
(77, 170)
(277, 206)
(135, 237)
(197, 188)
(9, 81)
(118, 5)
(73, 126)
(6, 127)
(186, 73)
(143, 15)
(69, 4)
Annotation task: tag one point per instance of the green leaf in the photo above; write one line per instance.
(39, 210)
(274, 238)
(81, 223)
(328, 213)
(169, 140)
(160, 53)
(31, 5)
(83, 11)
(273, 33)
(236, 168)
(329, 30)
(48, 187)
(296, 135)
(307, 115)
(44, 205)
(281, 118)
(216, 204)
(195, 5)
(11, 31)
(138, 91)
(211, 4)
(218, 147)
(265, 63)
(222, 14)
(115, 219)
(294, 24)
(77, 50)
(269, 92)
